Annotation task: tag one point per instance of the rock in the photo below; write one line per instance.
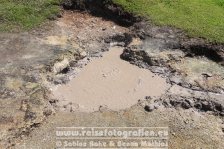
(83, 54)
(149, 108)
(186, 105)
(59, 66)
(157, 105)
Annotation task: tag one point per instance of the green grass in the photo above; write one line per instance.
(200, 18)
(25, 14)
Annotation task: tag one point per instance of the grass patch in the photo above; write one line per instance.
(26, 14)
(200, 18)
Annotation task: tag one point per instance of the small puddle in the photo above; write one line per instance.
(109, 81)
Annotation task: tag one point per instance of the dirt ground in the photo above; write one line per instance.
(65, 58)
(188, 129)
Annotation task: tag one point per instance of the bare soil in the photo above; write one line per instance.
(163, 85)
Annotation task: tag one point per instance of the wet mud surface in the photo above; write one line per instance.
(109, 82)
(190, 101)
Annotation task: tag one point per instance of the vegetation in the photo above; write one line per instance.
(25, 14)
(201, 18)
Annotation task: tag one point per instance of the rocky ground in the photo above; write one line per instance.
(32, 63)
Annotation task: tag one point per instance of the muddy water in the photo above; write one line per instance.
(109, 82)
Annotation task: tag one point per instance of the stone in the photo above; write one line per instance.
(186, 105)
(59, 66)
(83, 54)
(149, 108)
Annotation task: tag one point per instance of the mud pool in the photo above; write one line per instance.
(109, 82)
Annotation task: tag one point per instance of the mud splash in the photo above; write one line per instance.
(109, 82)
